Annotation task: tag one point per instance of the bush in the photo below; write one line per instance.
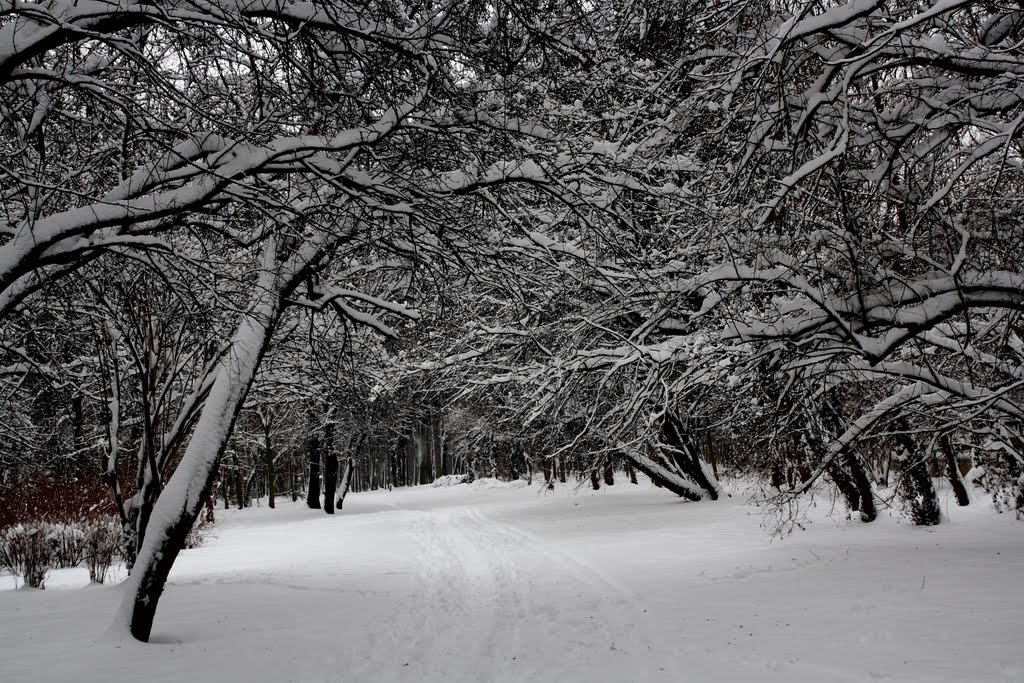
(450, 480)
(28, 552)
(100, 545)
(68, 546)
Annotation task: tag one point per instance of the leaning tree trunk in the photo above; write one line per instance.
(346, 482)
(687, 459)
(350, 465)
(845, 485)
(182, 499)
(663, 477)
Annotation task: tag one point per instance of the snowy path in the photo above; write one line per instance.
(502, 591)
(467, 585)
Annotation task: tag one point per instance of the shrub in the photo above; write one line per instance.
(68, 546)
(917, 490)
(100, 545)
(28, 552)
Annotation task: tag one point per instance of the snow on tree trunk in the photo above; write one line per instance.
(662, 477)
(687, 458)
(346, 482)
(181, 501)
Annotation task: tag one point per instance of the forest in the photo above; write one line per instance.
(280, 250)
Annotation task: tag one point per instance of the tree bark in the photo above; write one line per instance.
(238, 482)
(686, 457)
(346, 482)
(313, 488)
(268, 449)
(609, 476)
(862, 481)
(330, 469)
(295, 487)
(953, 472)
(845, 485)
(915, 484)
(663, 478)
(594, 481)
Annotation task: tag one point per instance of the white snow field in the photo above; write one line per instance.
(472, 584)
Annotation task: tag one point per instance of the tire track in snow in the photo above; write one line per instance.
(491, 594)
(469, 594)
(618, 622)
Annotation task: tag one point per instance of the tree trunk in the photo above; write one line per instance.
(630, 472)
(915, 485)
(712, 455)
(609, 476)
(295, 487)
(313, 489)
(845, 485)
(183, 497)
(268, 449)
(953, 472)
(346, 482)
(209, 508)
(663, 478)
(594, 481)
(238, 482)
(330, 469)
(862, 481)
(686, 457)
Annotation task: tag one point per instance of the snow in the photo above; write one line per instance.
(467, 583)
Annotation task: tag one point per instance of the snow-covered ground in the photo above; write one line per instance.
(470, 584)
